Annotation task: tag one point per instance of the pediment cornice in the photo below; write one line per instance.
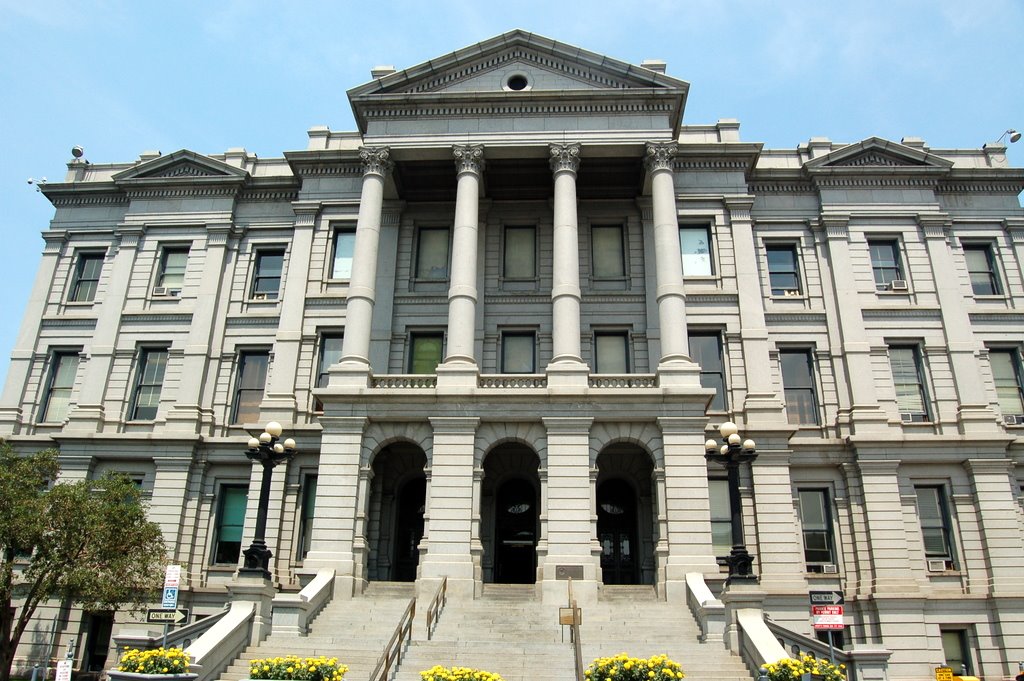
(183, 171)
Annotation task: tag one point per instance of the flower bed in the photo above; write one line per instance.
(791, 669)
(622, 667)
(160, 661)
(294, 668)
(439, 673)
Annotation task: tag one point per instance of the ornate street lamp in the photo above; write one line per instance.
(269, 452)
(733, 452)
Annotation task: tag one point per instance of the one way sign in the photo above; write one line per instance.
(827, 598)
(166, 615)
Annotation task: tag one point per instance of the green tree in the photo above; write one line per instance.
(88, 542)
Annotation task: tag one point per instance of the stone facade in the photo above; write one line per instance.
(501, 319)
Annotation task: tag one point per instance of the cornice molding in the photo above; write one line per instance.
(67, 323)
(933, 313)
(156, 318)
(271, 322)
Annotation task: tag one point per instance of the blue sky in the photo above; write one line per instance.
(120, 78)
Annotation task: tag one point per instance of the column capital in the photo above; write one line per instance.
(836, 225)
(376, 160)
(565, 157)
(469, 158)
(934, 226)
(660, 156)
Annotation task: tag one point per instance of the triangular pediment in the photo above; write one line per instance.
(877, 154)
(181, 165)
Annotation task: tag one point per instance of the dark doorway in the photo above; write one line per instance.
(409, 529)
(98, 626)
(617, 532)
(516, 533)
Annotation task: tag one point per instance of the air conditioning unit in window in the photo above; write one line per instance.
(259, 296)
(898, 285)
(792, 293)
(829, 569)
(939, 565)
(1013, 420)
(907, 418)
(160, 292)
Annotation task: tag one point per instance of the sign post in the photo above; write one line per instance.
(827, 614)
(172, 579)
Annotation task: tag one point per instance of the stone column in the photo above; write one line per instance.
(566, 360)
(889, 557)
(354, 368)
(761, 404)
(780, 560)
(449, 540)
(974, 413)
(168, 503)
(569, 510)
(1015, 230)
(995, 500)
(460, 364)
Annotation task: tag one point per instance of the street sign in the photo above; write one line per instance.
(173, 576)
(943, 674)
(826, 610)
(166, 616)
(170, 597)
(827, 597)
(64, 670)
(827, 622)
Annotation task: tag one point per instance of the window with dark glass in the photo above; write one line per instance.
(885, 263)
(344, 251)
(611, 352)
(432, 253)
(981, 266)
(933, 514)
(148, 382)
(308, 510)
(249, 384)
(956, 651)
(520, 252)
(706, 350)
(330, 353)
(695, 245)
(721, 517)
(518, 352)
(1006, 371)
(608, 251)
(798, 382)
(63, 367)
(173, 262)
(230, 518)
(266, 281)
(816, 522)
(908, 378)
(426, 351)
(87, 277)
(783, 275)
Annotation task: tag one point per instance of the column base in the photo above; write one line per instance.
(554, 582)
(567, 376)
(10, 420)
(260, 592)
(350, 374)
(280, 408)
(85, 419)
(434, 567)
(186, 418)
(735, 597)
(977, 419)
(763, 408)
(457, 377)
(343, 565)
(865, 419)
(675, 574)
(676, 374)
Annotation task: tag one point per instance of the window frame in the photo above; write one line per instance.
(925, 416)
(792, 249)
(322, 375)
(505, 250)
(166, 251)
(722, 398)
(78, 278)
(623, 269)
(422, 335)
(963, 643)
(307, 513)
(827, 527)
(880, 270)
(244, 355)
(1009, 382)
(723, 520)
(259, 253)
(624, 336)
(518, 333)
(991, 270)
(56, 358)
(418, 263)
(943, 523)
(707, 227)
(145, 354)
(219, 525)
(339, 231)
(793, 416)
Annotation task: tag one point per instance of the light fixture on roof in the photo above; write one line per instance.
(1014, 136)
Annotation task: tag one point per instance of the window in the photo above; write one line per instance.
(783, 275)
(266, 280)
(230, 518)
(344, 250)
(935, 526)
(63, 367)
(908, 377)
(330, 353)
(611, 352)
(520, 252)
(981, 265)
(148, 381)
(798, 382)
(1006, 371)
(695, 243)
(956, 651)
(607, 251)
(706, 350)
(425, 352)
(87, 277)
(172, 269)
(816, 520)
(306, 518)
(885, 263)
(518, 352)
(721, 517)
(432, 253)
(249, 385)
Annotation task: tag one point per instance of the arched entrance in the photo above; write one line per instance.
(412, 499)
(510, 514)
(626, 530)
(397, 503)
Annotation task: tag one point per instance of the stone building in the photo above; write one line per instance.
(501, 319)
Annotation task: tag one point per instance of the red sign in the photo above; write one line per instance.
(822, 625)
(827, 610)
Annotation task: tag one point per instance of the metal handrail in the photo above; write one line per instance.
(574, 633)
(392, 655)
(436, 605)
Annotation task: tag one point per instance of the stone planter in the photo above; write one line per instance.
(115, 675)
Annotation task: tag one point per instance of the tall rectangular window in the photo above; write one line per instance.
(798, 382)
(426, 351)
(783, 274)
(981, 266)
(933, 514)
(608, 251)
(87, 277)
(908, 378)
(695, 244)
(706, 350)
(816, 522)
(1006, 370)
(330, 353)
(173, 262)
(611, 352)
(249, 384)
(721, 517)
(308, 511)
(266, 280)
(885, 263)
(344, 250)
(518, 352)
(148, 382)
(956, 651)
(63, 367)
(230, 518)
(520, 252)
(432, 253)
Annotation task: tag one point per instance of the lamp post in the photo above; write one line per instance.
(733, 452)
(269, 452)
